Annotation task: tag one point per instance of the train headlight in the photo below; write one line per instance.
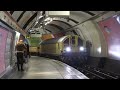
(68, 49)
(82, 48)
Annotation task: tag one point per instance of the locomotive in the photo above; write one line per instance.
(66, 47)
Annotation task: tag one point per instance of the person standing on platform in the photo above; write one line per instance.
(27, 51)
(20, 49)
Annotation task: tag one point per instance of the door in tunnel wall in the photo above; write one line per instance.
(3, 39)
(111, 30)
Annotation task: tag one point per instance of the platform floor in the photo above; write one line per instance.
(45, 68)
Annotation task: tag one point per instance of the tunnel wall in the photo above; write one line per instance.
(93, 31)
(111, 30)
(87, 31)
(90, 33)
(110, 42)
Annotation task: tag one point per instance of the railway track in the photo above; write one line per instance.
(107, 75)
(95, 73)
(90, 74)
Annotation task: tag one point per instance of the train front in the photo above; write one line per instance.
(73, 48)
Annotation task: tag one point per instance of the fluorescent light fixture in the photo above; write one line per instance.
(40, 17)
(36, 22)
(31, 30)
(47, 19)
(48, 22)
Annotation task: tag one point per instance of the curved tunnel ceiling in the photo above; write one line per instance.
(83, 23)
(27, 19)
(63, 25)
(61, 29)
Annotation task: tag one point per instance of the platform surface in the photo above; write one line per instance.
(45, 68)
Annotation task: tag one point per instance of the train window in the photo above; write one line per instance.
(80, 42)
(73, 40)
(66, 42)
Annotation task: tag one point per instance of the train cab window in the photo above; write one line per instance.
(66, 42)
(73, 40)
(80, 42)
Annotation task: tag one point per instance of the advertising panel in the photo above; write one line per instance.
(111, 30)
(8, 51)
(3, 39)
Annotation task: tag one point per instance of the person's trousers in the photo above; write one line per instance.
(20, 66)
(20, 60)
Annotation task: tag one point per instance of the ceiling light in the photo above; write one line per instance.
(36, 22)
(40, 17)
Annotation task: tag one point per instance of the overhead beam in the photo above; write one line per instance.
(73, 20)
(31, 25)
(74, 32)
(31, 18)
(88, 12)
(48, 30)
(21, 15)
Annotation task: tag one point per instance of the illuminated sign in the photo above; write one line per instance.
(58, 13)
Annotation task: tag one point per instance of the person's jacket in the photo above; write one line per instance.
(20, 47)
